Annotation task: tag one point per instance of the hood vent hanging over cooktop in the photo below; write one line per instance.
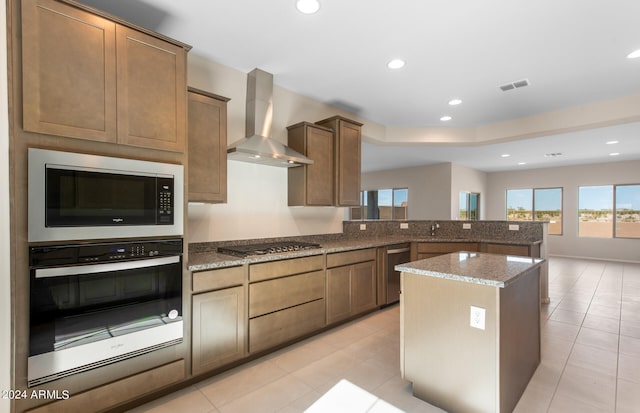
(258, 146)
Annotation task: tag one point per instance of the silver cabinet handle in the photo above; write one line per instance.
(100, 268)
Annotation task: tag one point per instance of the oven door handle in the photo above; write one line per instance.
(101, 268)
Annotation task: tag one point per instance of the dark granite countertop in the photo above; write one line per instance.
(473, 267)
(205, 257)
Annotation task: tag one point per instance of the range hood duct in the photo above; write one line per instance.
(258, 146)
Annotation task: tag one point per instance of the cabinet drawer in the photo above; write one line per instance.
(508, 249)
(274, 269)
(217, 279)
(273, 295)
(350, 257)
(446, 247)
(279, 327)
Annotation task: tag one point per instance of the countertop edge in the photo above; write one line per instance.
(216, 260)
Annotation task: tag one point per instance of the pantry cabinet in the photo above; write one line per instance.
(312, 185)
(85, 76)
(347, 158)
(207, 147)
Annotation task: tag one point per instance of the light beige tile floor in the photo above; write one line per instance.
(590, 358)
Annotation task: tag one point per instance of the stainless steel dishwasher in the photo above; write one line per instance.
(396, 254)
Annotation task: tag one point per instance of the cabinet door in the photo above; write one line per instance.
(152, 91)
(219, 329)
(320, 181)
(363, 287)
(338, 293)
(207, 148)
(69, 71)
(348, 164)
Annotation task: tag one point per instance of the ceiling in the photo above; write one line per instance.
(572, 52)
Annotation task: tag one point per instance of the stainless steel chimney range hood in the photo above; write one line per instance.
(258, 146)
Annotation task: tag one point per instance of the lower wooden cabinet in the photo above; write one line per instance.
(433, 249)
(512, 249)
(351, 288)
(219, 328)
(275, 328)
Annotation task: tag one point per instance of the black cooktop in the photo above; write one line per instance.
(267, 248)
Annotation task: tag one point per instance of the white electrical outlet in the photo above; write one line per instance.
(466, 226)
(477, 317)
(404, 225)
(514, 227)
(363, 227)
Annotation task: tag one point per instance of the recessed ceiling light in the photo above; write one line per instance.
(396, 64)
(633, 55)
(612, 142)
(307, 6)
(454, 102)
(614, 154)
(445, 118)
(505, 155)
(522, 163)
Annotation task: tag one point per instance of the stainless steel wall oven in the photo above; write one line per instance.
(94, 304)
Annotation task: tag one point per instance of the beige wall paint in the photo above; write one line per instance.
(569, 178)
(429, 188)
(5, 269)
(257, 194)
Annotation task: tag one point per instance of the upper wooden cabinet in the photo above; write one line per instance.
(347, 159)
(312, 185)
(85, 76)
(207, 147)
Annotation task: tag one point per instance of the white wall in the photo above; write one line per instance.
(429, 188)
(257, 194)
(569, 178)
(257, 208)
(465, 179)
(5, 254)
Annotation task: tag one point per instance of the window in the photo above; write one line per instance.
(628, 211)
(469, 206)
(382, 204)
(547, 206)
(599, 219)
(519, 204)
(595, 211)
(537, 204)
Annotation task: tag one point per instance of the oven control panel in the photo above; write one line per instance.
(43, 256)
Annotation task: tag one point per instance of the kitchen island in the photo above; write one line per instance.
(470, 329)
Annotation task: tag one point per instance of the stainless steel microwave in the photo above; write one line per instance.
(81, 197)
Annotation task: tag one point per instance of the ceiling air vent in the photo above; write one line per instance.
(514, 85)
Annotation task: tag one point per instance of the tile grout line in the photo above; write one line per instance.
(555, 391)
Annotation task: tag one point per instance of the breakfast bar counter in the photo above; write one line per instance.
(470, 329)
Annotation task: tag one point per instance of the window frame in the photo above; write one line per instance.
(364, 205)
(533, 205)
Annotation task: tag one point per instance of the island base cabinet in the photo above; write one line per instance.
(272, 329)
(219, 328)
(464, 369)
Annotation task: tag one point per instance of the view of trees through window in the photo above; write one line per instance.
(469, 206)
(382, 204)
(597, 216)
(536, 204)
